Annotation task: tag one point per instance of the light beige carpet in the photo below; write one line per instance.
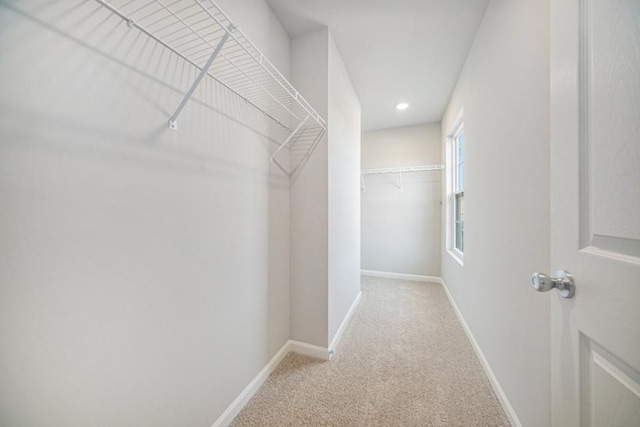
(404, 360)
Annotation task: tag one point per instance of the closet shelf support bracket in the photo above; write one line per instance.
(286, 141)
(173, 121)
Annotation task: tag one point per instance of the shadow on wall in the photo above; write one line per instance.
(138, 66)
(138, 264)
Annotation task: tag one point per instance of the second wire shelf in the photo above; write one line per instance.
(398, 170)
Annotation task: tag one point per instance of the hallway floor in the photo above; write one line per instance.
(404, 360)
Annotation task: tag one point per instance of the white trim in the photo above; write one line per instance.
(236, 406)
(450, 169)
(245, 395)
(325, 354)
(343, 325)
(388, 275)
(456, 123)
(309, 350)
(502, 397)
(456, 254)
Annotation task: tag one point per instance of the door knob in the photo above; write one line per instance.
(562, 281)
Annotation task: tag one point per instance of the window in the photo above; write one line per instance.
(458, 189)
(455, 189)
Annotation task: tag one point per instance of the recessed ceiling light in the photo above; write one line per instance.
(402, 106)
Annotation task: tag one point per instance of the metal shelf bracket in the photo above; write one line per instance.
(201, 34)
(173, 121)
(291, 135)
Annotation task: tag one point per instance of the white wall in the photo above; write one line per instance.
(406, 220)
(504, 91)
(325, 207)
(309, 199)
(344, 191)
(144, 273)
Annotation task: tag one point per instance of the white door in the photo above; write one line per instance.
(595, 211)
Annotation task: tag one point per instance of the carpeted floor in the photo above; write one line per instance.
(403, 360)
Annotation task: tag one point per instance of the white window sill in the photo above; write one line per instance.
(457, 255)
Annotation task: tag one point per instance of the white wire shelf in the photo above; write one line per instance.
(398, 170)
(202, 34)
(402, 169)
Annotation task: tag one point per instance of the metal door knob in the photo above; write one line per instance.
(563, 282)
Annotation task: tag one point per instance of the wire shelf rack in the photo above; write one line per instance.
(202, 34)
(398, 170)
(402, 169)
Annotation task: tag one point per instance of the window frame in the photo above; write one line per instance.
(455, 189)
(458, 189)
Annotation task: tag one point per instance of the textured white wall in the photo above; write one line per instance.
(144, 273)
(504, 90)
(407, 220)
(344, 191)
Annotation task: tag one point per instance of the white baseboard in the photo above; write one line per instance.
(388, 275)
(502, 397)
(309, 350)
(290, 346)
(343, 325)
(236, 406)
(325, 354)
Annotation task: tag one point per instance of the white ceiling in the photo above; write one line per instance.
(395, 50)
